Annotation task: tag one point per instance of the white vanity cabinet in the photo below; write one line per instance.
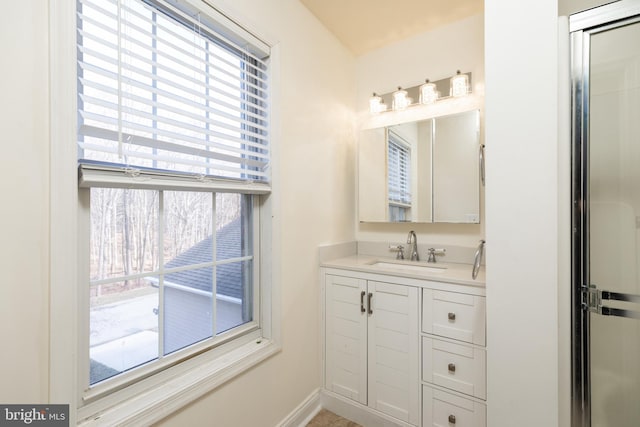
(372, 344)
(411, 349)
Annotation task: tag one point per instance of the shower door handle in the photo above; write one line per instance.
(593, 297)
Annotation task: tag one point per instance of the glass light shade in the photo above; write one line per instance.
(428, 93)
(459, 84)
(376, 104)
(400, 99)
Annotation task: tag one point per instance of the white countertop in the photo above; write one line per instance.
(451, 273)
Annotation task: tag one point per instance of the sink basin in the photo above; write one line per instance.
(412, 267)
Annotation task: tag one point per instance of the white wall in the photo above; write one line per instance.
(24, 171)
(435, 55)
(521, 45)
(314, 204)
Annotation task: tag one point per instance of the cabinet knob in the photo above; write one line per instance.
(452, 419)
(452, 367)
(451, 316)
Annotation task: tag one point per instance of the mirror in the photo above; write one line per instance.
(422, 171)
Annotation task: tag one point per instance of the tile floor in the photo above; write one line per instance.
(329, 419)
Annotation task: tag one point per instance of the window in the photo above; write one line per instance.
(173, 161)
(399, 192)
(160, 94)
(156, 286)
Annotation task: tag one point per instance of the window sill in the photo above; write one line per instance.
(160, 401)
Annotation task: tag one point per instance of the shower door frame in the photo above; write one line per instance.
(581, 26)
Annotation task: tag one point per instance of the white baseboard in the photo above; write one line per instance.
(304, 412)
(339, 405)
(356, 412)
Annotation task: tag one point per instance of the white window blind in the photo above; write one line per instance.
(164, 99)
(399, 161)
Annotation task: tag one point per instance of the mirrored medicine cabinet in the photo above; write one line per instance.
(424, 171)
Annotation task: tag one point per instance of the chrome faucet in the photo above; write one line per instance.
(412, 240)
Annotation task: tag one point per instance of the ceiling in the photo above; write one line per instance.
(366, 25)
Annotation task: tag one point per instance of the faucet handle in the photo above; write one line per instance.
(433, 252)
(399, 249)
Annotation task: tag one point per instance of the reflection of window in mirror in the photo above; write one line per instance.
(399, 177)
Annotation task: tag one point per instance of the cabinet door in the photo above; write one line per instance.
(394, 378)
(346, 337)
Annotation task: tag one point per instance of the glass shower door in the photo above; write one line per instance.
(609, 224)
(614, 216)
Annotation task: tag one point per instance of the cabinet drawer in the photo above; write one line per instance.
(453, 315)
(440, 409)
(459, 367)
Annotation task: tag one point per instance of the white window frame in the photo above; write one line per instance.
(161, 393)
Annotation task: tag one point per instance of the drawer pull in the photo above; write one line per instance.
(369, 303)
(452, 368)
(451, 316)
(362, 309)
(452, 419)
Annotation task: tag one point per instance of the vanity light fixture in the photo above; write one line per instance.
(400, 99)
(428, 93)
(459, 84)
(376, 104)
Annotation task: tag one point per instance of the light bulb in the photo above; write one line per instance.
(428, 93)
(400, 99)
(459, 84)
(376, 104)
